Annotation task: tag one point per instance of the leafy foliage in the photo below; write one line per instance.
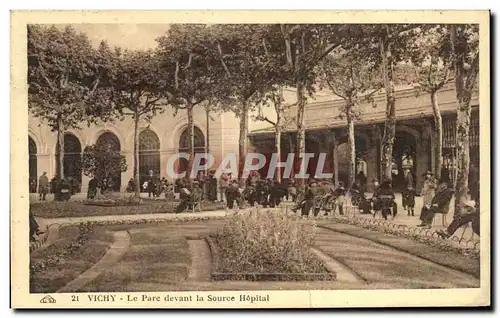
(67, 78)
(101, 161)
(138, 86)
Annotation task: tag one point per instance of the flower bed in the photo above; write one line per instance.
(265, 245)
(77, 249)
(56, 209)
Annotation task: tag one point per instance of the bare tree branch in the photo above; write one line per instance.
(221, 57)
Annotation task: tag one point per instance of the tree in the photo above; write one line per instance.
(186, 54)
(101, 161)
(390, 44)
(303, 47)
(67, 80)
(433, 71)
(351, 77)
(275, 97)
(139, 92)
(251, 68)
(464, 41)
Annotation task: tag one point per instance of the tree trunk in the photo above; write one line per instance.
(277, 147)
(351, 146)
(136, 156)
(190, 139)
(438, 125)
(60, 141)
(242, 142)
(207, 145)
(390, 121)
(335, 159)
(301, 132)
(463, 86)
(462, 146)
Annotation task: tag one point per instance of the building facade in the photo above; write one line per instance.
(163, 137)
(326, 132)
(414, 144)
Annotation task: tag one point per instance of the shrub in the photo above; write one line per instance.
(266, 242)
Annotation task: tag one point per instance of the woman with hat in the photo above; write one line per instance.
(429, 188)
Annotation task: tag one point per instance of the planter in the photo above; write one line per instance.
(252, 276)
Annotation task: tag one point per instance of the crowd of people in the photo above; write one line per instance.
(62, 189)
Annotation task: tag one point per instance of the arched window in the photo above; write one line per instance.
(110, 139)
(149, 155)
(32, 165)
(72, 159)
(198, 145)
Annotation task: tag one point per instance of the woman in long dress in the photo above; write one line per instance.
(429, 188)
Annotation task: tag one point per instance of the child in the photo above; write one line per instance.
(409, 200)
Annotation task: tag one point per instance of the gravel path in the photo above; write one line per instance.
(378, 263)
(201, 262)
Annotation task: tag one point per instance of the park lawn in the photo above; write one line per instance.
(56, 209)
(158, 255)
(59, 270)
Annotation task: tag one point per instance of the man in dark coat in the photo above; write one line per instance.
(309, 196)
(440, 203)
(92, 189)
(43, 185)
(277, 192)
(383, 199)
(233, 194)
(212, 187)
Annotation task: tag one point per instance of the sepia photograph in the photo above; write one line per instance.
(239, 159)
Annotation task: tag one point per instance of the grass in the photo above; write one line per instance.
(55, 266)
(154, 257)
(54, 209)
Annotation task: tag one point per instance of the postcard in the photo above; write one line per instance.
(250, 159)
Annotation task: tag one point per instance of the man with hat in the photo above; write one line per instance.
(43, 185)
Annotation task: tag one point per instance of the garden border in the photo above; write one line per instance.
(219, 276)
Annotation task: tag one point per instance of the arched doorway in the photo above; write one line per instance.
(199, 147)
(149, 155)
(33, 174)
(404, 155)
(109, 139)
(72, 159)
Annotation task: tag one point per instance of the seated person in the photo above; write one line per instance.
(131, 185)
(469, 214)
(292, 191)
(233, 194)
(383, 199)
(309, 195)
(277, 192)
(262, 192)
(34, 228)
(439, 204)
(189, 197)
